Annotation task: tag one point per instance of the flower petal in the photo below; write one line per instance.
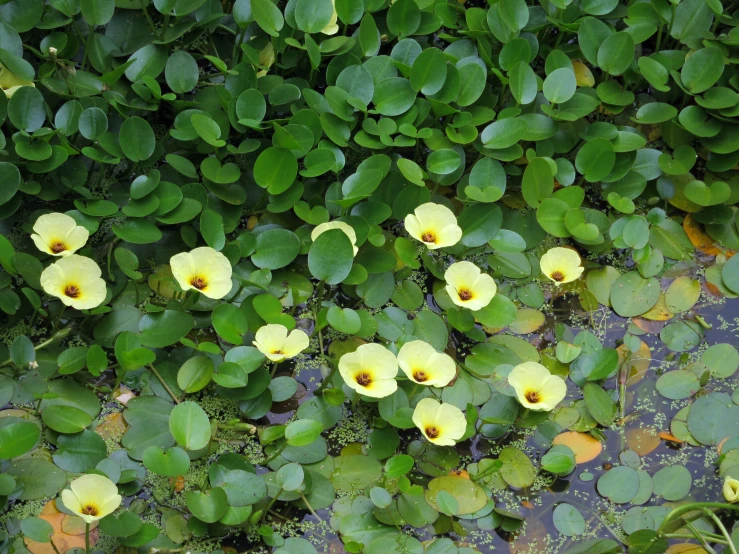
(413, 226)
(296, 342)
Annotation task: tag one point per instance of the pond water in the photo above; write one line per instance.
(650, 437)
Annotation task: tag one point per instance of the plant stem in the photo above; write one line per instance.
(701, 539)
(327, 379)
(60, 334)
(685, 508)
(271, 502)
(87, 538)
(723, 530)
(310, 508)
(166, 387)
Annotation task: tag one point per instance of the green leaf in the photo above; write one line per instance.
(18, 437)
(560, 85)
(616, 53)
(27, 109)
(504, 133)
(195, 374)
(331, 256)
(599, 403)
(275, 248)
(190, 426)
(268, 16)
(66, 419)
(168, 463)
(97, 12)
(181, 72)
(37, 529)
(137, 139)
(313, 15)
(538, 182)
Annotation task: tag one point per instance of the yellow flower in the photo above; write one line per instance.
(58, 234)
(561, 265)
(536, 388)
(203, 269)
(469, 287)
(347, 229)
(91, 497)
(731, 490)
(10, 82)
(332, 28)
(442, 424)
(424, 365)
(370, 370)
(434, 225)
(273, 341)
(76, 281)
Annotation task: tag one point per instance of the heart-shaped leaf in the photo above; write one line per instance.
(704, 195)
(168, 463)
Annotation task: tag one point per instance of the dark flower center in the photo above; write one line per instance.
(420, 375)
(428, 236)
(432, 432)
(533, 396)
(364, 379)
(199, 283)
(464, 294)
(57, 247)
(73, 291)
(90, 510)
(558, 276)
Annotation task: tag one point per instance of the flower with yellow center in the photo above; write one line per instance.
(424, 365)
(731, 490)
(442, 424)
(91, 497)
(58, 234)
(332, 27)
(10, 82)
(469, 287)
(347, 229)
(76, 281)
(273, 341)
(434, 225)
(536, 388)
(561, 265)
(202, 269)
(370, 370)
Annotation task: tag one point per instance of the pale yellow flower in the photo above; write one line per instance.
(347, 229)
(10, 82)
(91, 497)
(561, 265)
(273, 341)
(434, 225)
(536, 388)
(731, 490)
(202, 269)
(469, 287)
(424, 365)
(58, 234)
(332, 27)
(370, 370)
(442, 424)
(76, 281)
